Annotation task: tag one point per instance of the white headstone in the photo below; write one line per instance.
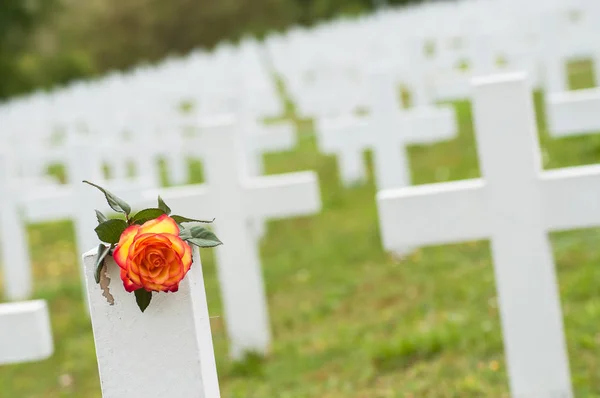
(234, 200)
(25, 332)
(514, 205)
(165, 351)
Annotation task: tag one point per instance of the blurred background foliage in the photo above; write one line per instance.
(44, 43)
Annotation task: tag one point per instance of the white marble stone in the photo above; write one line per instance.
(16, 264)
(165, 351)
(234, 200)
(387, 131)
(514, 205)
(25, 332)
(573, 112)
(77, 201)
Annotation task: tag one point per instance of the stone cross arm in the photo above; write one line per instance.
(272, 138)
(25, 332)
(457, 211)
(297, 194)
(571, 197)
(50, 204)
(427, 125)
(192, 201)
(433, 214)
(571, 113)
(335, 134)
(62, 202)
(424, 125)
(257, 137)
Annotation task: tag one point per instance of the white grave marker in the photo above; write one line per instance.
(177, 163)
(77, 201)
(166, 351)
(263, 139)
(573, 112)
(266, 139)
(393, 129)
(25, 332)
(16, 265)
(235, 200)
(258, 139)
(346, 139)
(514, 205)
(387, 131)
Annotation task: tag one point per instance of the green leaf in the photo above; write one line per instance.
(143, 298)
(102, 253)
(205, 242)
(146, 215)
(163, 206)
(101, 217)
(115, 203)
(110, 231)
(200, 237)
(182, 219)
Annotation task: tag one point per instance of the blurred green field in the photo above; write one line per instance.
(349, 320)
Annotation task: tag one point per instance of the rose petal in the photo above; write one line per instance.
(187, 259)
(155, 287)
(125, 240)
(132, 274)
(127, 283)
(161, 225)
(144, 242)
(175, 271)
(161, 276)
(183, 250)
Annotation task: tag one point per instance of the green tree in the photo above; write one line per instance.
(18, 20)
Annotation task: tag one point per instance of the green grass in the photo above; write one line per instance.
(349, 320)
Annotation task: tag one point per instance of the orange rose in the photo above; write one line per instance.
(152, 256)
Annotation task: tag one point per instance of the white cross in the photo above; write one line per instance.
(235, 200)
(513, 205)
(175, 154)
(25, 332)
(573, 112)
(77, 201)
(257, 140)
(166, 351)
(137, 149)
(347, 139)
(563, 39)
(387, 131)
(16, 264)
(260, 139)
